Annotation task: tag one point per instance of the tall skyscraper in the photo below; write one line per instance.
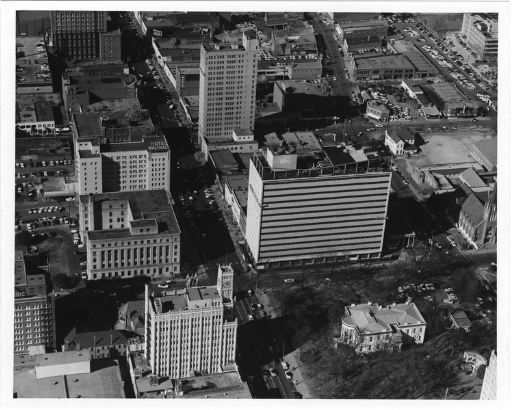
(308, 204)
(489, 386)
(84, 35)
(191, 329)
(227, 88)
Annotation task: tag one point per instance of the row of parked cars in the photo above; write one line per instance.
(46, 209)
(44, 163)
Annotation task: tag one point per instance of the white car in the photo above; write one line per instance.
(289, 280)
(163, 285)
(379, 125)
(250, 317)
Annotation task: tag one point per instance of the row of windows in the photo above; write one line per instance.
(316, 235)
(317, 242)
(269, 212)
(129, 273)
(321, 251)
(357, 182)
(341, 201)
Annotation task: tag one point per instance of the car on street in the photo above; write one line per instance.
(163, 285)
(273, 372)
(265, 373)
(289, 280)
(250, 317)
(379, 125)
(288, 375)
(254, 306)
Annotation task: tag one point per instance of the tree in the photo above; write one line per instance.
(23, 238)
(63, 281)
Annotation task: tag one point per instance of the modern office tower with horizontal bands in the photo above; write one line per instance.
(308, 204)
(139, 164)
(227, 88)
(481, 31)
(191, 329)
(130, 234)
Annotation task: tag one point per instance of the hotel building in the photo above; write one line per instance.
(227, 88)
(191, 329)
(33, 309)
(371, 327)
(130, 234)
(310, 204)
(139, 164)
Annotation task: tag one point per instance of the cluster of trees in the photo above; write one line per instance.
(63, 281)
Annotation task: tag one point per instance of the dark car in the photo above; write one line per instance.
(265, 372)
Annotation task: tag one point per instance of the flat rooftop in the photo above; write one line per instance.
(391, 61)
(88, 125)
(103, 382)
(107, 106)
(59, 358)
(489, 148)
(448, 92)
(151, 204)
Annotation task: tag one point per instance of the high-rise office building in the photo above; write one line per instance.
(310, 204)
(490, 384)
(129, 234)
(227, 88)
(139, 164)
(33, 310)
(191, 329)
(84, 35)
(481, 31)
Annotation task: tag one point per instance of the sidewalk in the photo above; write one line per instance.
(301, 386)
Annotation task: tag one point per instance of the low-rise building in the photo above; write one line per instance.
(377, 110)
(361, 28)
(101, 344)
(394, 143)
(242, 142)
(485, 152)
(35, 112)
(423, 66)
(460, 320)
(129, 234)
(380, 67)
(371, 327)
(353, 44)
(69, 374)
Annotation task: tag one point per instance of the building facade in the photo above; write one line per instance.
(102, 344)
(76, 34)
(371, 327)
(129, 234)
(122, 166)
(227, 88)
(377, 111)
(33, 309)
(381, 67)
(318, 206)
(490, 384)
(481, 31)
(192, 329)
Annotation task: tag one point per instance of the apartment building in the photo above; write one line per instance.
(481, 31)
(130, 234)
(139, 164)
(33, 308)
(490, 384)
(192, 329)
(310, 204)
(371, 327)
(227, 88)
